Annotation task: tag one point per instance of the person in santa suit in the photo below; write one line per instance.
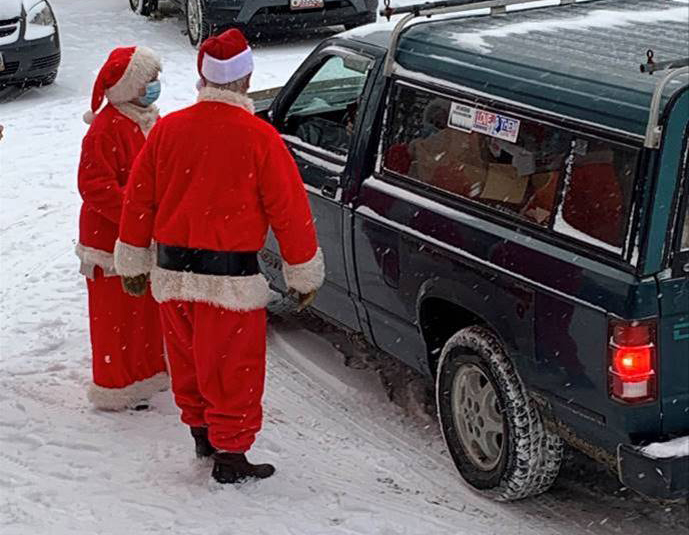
(209, 182)
(126, 335)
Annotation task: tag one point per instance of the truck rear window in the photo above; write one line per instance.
(547, 176)
(599, 180)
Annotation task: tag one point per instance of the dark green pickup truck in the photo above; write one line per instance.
(501, 196)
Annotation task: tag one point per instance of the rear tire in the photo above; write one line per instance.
(492, 428)
(198, 25)
(143, 7)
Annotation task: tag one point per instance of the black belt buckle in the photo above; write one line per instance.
(207, 262)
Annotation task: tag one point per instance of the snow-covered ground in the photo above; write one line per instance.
(350, 462)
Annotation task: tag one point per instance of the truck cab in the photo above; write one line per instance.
(512, 224)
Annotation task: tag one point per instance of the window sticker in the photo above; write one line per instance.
(461, 117)
(496, 125)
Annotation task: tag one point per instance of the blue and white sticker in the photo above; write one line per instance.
(496, 125)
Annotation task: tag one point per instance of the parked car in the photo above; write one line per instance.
(206, 17)
(512, 224)
(29, 43)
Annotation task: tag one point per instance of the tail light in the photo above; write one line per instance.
(632, 371)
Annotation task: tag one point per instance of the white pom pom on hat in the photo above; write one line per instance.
(89, 117)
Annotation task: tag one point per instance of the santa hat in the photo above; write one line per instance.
(225, 58)
(125, 72)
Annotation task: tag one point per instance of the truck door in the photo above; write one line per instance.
(318, 115)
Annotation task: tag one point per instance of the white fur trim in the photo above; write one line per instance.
(95, 257)
(117, 399)
(225, 71)
(143, 67)
(233, 293)
(145, 117)
(305, 277)
(213, 94)
(131, 261)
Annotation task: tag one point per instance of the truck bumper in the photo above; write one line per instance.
(277, 13)
(28, 62)
(664, 478)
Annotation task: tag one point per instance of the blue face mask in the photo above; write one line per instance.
(152, 93)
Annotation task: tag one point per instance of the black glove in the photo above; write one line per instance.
(304, 300)
(135, 286)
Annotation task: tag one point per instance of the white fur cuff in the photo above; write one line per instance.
(225, 71)
(240, 294)
(117, 399)
(306, 277)
(95, 257)
(213, 94)
(131, 261)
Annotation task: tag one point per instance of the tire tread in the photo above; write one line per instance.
(537, 453)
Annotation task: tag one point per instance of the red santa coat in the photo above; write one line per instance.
(109, 148)
(594, 202)
(126, 336)
(222, 195)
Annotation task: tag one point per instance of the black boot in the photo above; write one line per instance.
(203, 446)
(235, 468)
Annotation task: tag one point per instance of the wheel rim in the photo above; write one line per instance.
(194, 19)
(477, 418)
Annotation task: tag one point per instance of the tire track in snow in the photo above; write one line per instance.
(478, 507)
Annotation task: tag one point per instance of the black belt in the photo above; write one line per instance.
(206, 262)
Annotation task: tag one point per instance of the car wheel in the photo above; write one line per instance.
(198, 27)
(493, 430)
(143, 7)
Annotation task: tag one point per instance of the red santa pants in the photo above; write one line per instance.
(126, 337)
(217, 363)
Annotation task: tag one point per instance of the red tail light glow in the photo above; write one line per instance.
(632, 374)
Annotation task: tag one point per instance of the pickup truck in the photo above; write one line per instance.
(501, 196)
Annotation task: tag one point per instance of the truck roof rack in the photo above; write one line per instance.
(675, 68)
(443, 7)
(654, 132)
(652, 66)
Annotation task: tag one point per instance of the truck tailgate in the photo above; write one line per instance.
(673, 341)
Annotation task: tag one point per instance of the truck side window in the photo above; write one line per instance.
(598, 192)
(684, 245)
(521, 176)
(324, 113)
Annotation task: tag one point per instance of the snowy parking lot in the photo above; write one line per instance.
(349, 460)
